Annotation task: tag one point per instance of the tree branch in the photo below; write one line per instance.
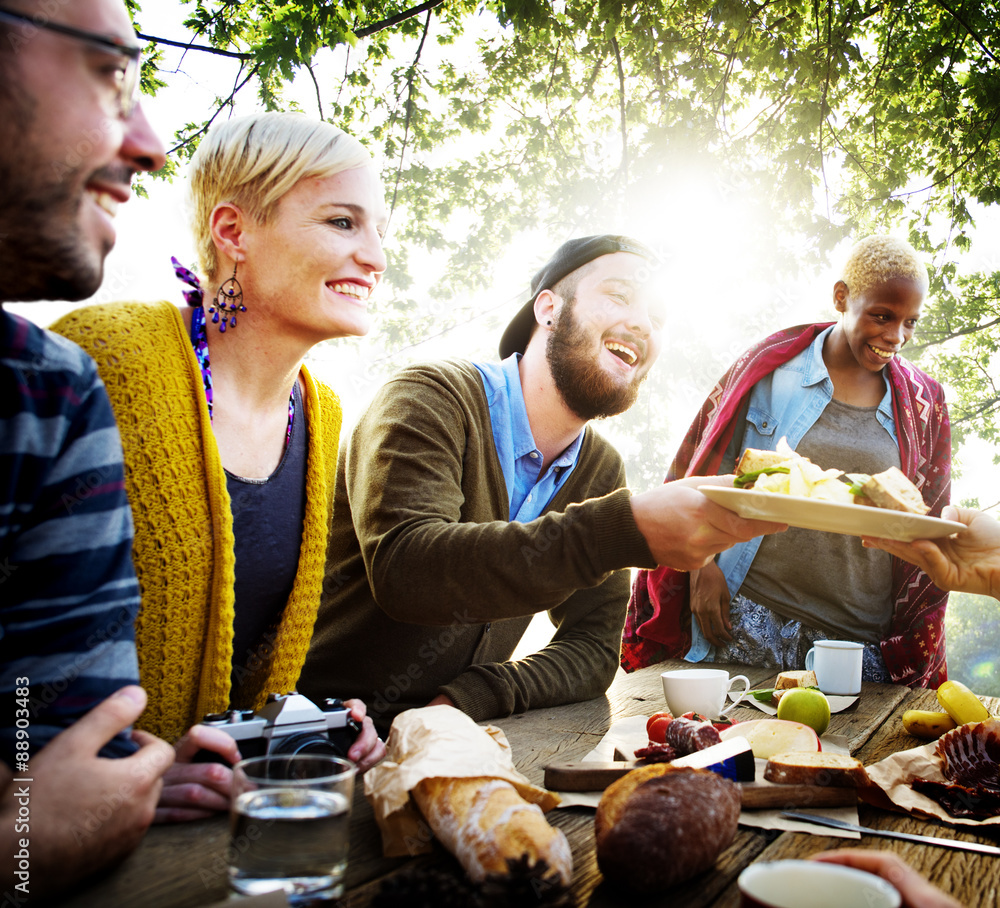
(621, 109)
(968, 29)
(187, 45)
(218, 110)
(952, 335)
(319, 99)
(411, 79)
(360, 32)
(399, 17)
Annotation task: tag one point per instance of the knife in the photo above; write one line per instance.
(892, 834)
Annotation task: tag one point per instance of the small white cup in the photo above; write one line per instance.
(813, 884)
(703, 690)
(837, 664)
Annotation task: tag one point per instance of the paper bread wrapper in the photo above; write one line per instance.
(436, 742)
(895, 774)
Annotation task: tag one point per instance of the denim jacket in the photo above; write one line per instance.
(787, 404)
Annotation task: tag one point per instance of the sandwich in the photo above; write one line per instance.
(891, 489)
(786, 681)
(784, 472)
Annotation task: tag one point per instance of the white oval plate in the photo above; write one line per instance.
(830, 516)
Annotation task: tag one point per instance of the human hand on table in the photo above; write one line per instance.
(710, 603)
(192, 791)
(968, 562)
(87, 811)
(684, 530)
(916, 891)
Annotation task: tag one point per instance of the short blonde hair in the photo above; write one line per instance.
(877, 260)
(254, 161)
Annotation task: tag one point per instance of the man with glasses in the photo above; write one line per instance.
(73, 138)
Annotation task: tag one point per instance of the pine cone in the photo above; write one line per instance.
(425, 887)
(525, 884)
(443, 887)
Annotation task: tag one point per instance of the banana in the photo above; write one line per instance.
(961, 703)
(923, 723)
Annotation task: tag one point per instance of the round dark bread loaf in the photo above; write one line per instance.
(661, 825)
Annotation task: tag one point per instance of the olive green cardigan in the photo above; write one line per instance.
(429, 586)
(184, 545)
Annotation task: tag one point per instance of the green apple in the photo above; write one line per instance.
(806, 705)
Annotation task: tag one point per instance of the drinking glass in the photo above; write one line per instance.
(289, 824)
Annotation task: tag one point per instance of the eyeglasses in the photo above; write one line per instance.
(127, 78)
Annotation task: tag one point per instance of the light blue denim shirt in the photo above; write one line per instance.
(786, 404)
(520, 459)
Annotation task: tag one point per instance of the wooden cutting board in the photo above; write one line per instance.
(595, 776)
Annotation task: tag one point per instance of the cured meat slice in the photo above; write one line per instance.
(979, 803)
(970, 761)
(970, 755)
(656, 753)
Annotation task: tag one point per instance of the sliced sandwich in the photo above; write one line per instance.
(784, 472)
(790, 680)
(892, 490)
(755, 460)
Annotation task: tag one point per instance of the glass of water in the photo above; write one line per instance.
(289, 825)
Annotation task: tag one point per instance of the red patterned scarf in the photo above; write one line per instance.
(658, 624)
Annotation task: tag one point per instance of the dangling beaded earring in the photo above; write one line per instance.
(228, 299)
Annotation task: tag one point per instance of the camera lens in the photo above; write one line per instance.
(305, 743)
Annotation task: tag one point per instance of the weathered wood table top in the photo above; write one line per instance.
(184, 865)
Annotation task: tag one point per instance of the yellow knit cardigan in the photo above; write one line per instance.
(184, 546)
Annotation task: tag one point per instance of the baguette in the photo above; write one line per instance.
(488, 826)
(826, 769)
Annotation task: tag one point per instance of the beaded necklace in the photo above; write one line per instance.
(199, 340)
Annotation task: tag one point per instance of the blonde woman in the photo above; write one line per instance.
(230, 444)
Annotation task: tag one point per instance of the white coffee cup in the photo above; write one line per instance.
(813, 884)
(703, 690)
(837, 664)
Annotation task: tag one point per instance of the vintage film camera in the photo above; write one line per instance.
(288, 724)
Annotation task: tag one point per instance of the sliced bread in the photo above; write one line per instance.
(826, 769)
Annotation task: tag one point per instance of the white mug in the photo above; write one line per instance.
(813, 884)
(703, 690)
(837, 664)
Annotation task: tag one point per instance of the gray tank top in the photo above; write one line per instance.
(827, 580)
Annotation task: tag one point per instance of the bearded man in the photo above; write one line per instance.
(473, 495)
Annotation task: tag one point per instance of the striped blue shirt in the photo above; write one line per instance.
(68, 592)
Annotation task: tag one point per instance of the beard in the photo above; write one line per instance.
(42, 252)
(588, 390)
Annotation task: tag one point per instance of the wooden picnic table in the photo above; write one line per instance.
(184, 865)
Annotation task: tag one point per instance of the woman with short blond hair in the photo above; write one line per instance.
(230, 443)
